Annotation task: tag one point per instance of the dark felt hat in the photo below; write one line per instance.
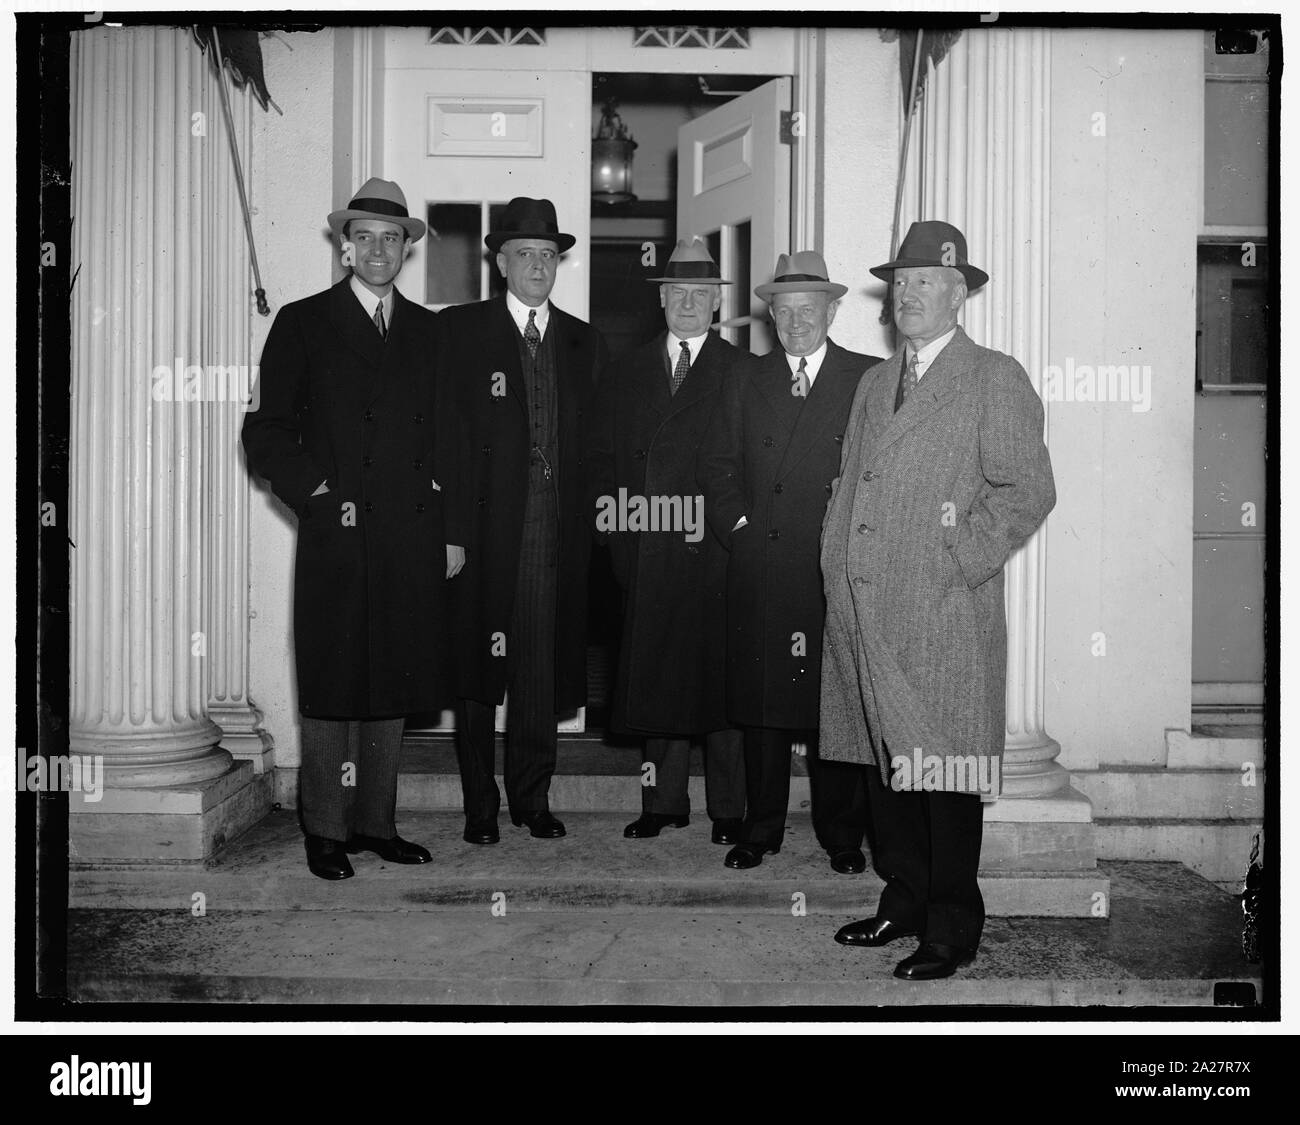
(933, 243)
(529, 218)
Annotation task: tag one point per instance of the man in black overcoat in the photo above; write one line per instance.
(525, 373)
(766, 467)
(356, 433)
(652, 410)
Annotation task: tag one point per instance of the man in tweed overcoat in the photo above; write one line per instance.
(944, 475)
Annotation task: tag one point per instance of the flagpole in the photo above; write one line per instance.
(258, 292)
(907, 136)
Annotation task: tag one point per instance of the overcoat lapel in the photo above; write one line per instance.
(501, 351)
(772, 380)
(355, 329)
(826, 405)
(941, 383)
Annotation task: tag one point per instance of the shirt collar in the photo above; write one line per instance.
(519, 313)
(926, 355)
(369, 300)
(813, 366)
(693, 344)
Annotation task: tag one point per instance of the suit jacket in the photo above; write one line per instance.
(646, 440)
(930, 503)
(770, 455)
(374, 419)
(477, 344)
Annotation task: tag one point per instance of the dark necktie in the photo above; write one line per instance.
(801, 378)
(379, 320)
(532, 337)
(683, 367)
(910, 377)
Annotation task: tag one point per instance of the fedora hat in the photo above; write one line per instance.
(801, 272)
(378, 199)
(933, 243)
(691, 261)
(529, 218)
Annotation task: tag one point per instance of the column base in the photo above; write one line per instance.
(1054, 833)
(242, 734)
(167, 824)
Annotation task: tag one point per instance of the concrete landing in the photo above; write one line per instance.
(593, 867)
(1171, 939)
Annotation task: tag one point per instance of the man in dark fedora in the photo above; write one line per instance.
(356, 433)
(945, 474)
(652, 410)
(525, 373)
(766, 468)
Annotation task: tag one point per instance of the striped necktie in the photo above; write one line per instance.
(379, 320)
(910, 377)
(683, 367)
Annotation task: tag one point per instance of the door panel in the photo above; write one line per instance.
(733, 188)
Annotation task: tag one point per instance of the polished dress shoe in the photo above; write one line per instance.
(743, 856)
(872, 931)
(395, 850)
(727, 831)
(652, 823)
(486, 833)
(539, 823)
(933, 961)
(848, 861)
(327, 859)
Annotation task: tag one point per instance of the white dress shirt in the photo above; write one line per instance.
(927, 354)
(814, 364)
(693, 346)
(369, 301)
(519, 313)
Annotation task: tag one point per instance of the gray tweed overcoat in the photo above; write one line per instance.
(929, 504)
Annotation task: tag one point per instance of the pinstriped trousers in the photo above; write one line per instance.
(337, 801)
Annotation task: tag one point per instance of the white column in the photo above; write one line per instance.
(227, 347)
(141, 205)
(983, 165)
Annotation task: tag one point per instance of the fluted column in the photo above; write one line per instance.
(983, 165)
(227, 348)
(141, 192)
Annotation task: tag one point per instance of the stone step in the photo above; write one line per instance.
(1172, 939)
(593, 868)
(1218, 850)
(1224, 747)
(1200, 794)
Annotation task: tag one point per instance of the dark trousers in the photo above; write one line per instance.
(531, 718)
(839, 806)
(348, 779)
(724, 775)
(926, 846)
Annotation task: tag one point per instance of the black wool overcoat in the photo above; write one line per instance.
(770, 456)
(672, 660)
(374, 419)
(477, 346)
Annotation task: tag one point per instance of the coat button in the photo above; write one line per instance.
(417, 464)
(839, 438)
(639, 454)
(487, 451)
(420, 508)
(774, 534)
(368, 416)
(767, 441)
(868, 475)
(419, 419)
(778, 488)
(863, 529)
(482, 501)
(829, 489)
(369, 506)
(366, 462)
(859, 581)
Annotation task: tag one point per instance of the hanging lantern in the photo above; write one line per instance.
(611, 158)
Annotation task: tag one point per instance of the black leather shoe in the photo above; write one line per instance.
(652, 823)
(482, 833)
(727, 831)
(849, 861)
(743, 856)
(327, 858)
(395, 850)
(540, 824)
(872, 931)
(933, 961)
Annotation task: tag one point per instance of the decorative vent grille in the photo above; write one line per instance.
(709, 37)
(489, 36)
